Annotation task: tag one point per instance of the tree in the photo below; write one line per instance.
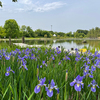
(76, 34)
(97, 31)
(92, 33)
(23, 30)
(30, 32)
(82, 31)
(38, 32)
(69, 34)
(44, 32)
(12, 1)
(61, 34)
(2, 32)
(0, 3)
(11, 28)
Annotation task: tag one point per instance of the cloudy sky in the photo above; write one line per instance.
(63, 15)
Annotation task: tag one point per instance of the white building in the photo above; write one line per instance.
(54, 35)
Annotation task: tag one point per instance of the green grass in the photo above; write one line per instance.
(9, 48)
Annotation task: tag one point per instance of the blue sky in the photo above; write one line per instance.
(63, 15)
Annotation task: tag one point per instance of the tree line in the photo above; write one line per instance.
(12, 29)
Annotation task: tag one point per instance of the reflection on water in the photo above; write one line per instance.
(67, 44)
(70, 44)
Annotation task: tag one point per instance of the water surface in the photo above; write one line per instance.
(67, 44)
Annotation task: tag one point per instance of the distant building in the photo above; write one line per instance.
(54, 35)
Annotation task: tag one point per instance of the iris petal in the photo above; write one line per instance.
(7, 73)
(93, 89)
(72, 83)
(77, 87)
(50, 93)
(37, 89)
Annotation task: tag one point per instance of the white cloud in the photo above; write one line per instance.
(49, 6)
(27, 2)
(38, 7)
(29, 5)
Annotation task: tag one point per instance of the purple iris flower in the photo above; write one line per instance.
(43, 62)
(59, 63)
(93, 68)
(58, 91)
(76, 49)
(8, 71)
(58, 51)
(88, 72)
(77, 83)
(94, 84)
(39, 49)
(84, 66)
(57, 48)
(55, 54)
(7, 56)
(87, 60)
(40, 66)
(50, 88)
(41, 83)
(13, 53)
(23, 65)
(77, 59)
(19, 52)
(0, 57)
(26, 56)
(53, 58)
(98, 63)
(23, 62)
(33, 57)
(66, 58)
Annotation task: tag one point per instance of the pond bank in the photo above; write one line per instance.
(7, 39)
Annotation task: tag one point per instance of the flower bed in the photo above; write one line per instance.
(49, 74)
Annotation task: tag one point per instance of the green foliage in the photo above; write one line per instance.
(69, 34)
(58, 36)
(0, 3)
(45, 35)
(62, 34)
(2, 32)
(4, 45)
(20, 85)
(23, 30)
(94, 33)
(38, 32)
(12, 1)
(11, 28)
(82, 31)
(44, 32)
(76, 34)
(30, 32)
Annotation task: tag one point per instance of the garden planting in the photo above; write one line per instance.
(49, 74)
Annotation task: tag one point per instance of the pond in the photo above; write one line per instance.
(67, 44)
